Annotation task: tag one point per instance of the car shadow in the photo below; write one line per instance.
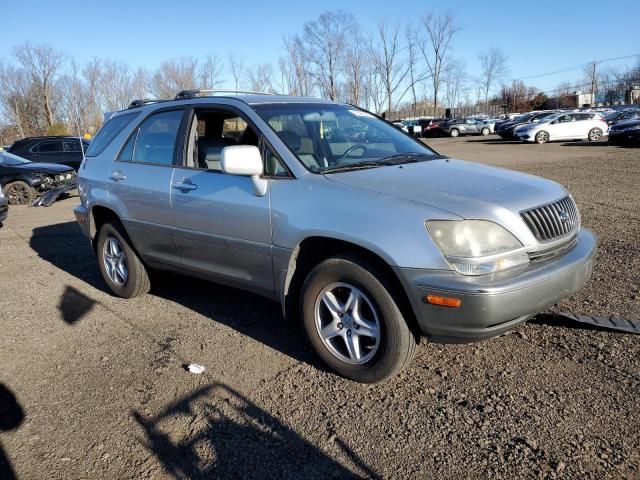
(585, 144)
(11, 417)
(64, 246)
(494, 141)
(556, 320)
(216, 432)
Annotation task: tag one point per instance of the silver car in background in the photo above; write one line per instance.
(363, 233)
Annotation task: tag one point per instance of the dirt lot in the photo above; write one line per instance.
(101, 392)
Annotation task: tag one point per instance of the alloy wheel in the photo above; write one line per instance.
(347, 323)
(18, 194)
(115, 261)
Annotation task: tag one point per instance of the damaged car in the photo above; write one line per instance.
(25, 182)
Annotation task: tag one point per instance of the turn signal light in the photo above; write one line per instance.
(443, 301)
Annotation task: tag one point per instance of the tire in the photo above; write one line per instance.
(19, 193)
(595, 134)
(542, 137)
(485, 131)
(136, 281)
(454, 132)
(379, 359)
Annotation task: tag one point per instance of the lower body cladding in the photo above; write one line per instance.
(490, 305)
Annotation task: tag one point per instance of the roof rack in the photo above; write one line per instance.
(142, 102)
(184, 94)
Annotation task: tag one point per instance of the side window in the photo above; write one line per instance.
(71, 146)
(213, 130)
(53, 146)
(564, 119)
(156, 138)
(126, 154)
(108, 132)
(273, 166)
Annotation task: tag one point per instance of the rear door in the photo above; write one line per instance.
(47, 151)
(223, 229)
(140, 185)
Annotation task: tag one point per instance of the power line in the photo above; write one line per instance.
(578, 66)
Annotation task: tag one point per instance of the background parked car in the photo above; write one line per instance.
(464, 126)
(618, 116)
(431, 126)
(413, 126)
(506, 129)
(23, 180)
(64, 150)
(625, 133)
(564, 126)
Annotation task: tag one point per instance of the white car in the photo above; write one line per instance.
(564, 126)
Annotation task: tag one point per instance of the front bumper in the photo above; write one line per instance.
(82, 217)
(493, 304)
(624, 138)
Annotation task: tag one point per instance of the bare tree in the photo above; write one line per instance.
(454, 78)
(237, 67)
(493, 67)
(42, 64)
(439, 31)
(210, 72)
(388, 61)
(354, 65)
(412, 58)
(299, 66)
(324, 41)
(175, 75)
(260, 78)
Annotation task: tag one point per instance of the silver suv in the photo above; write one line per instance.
(363, 233)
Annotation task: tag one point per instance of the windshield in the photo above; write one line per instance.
(10, 160)
(612, 115)
(326, 137)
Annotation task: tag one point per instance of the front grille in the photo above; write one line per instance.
(552, 221)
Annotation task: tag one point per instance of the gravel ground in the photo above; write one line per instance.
(94, 387)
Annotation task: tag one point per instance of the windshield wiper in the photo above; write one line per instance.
(354, 166)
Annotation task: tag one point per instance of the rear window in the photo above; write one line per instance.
(108, 132)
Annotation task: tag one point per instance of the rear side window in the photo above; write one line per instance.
(48, 147)
(72, 146)
(156, 138)
(108, 132)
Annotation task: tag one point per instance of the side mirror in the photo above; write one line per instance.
(246, 161)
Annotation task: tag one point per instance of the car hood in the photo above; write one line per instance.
(466, 189)
(50, 168)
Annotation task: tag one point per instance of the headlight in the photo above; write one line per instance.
(477, 247)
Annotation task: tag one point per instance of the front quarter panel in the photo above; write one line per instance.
(392, 228)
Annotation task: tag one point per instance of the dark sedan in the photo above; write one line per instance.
(22, 180)
(4, 208)
(64, 150)
(625, 133)
(620, 116)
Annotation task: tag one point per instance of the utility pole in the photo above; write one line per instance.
(592, 67)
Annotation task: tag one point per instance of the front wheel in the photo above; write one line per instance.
(595, 134)
(120, 266)
(542, 137)
(352, 321)
(19, 193)
(455, 132)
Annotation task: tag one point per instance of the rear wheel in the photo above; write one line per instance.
(542, 137)
(595, 134)
(485, 131)
(455, 132)
(120, 266)
(352, 321)
(19, 193)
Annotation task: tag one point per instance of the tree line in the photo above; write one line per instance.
(393, 66)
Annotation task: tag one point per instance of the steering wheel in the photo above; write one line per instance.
(353, 148)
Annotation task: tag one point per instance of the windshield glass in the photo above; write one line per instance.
(327, 137)
(612, 115)
(10, 160)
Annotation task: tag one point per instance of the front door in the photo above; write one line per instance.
(222, 227)
(561, 128)
(140, 186)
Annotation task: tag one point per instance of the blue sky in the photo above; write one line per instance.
(538, 37)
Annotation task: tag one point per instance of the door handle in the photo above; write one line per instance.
(117, 176)
(184, 185)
